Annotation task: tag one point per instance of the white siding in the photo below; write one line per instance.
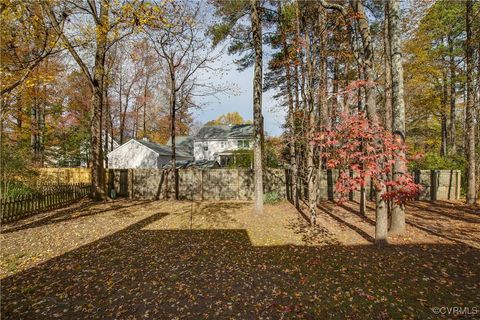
(132, 155)
(135, 155)
(214, 147)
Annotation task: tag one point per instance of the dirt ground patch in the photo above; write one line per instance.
(216, 260)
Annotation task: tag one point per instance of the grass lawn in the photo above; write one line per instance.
(216, 260)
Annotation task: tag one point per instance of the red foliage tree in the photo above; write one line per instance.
(354, 143)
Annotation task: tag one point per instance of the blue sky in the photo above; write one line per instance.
(242, 102)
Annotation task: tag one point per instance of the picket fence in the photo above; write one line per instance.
(47, 197)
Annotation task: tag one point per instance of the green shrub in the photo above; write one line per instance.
(16, 189)
(243, 159)
(271, 197)
(433, 161)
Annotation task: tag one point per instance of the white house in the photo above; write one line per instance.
(219, 142)
(144, 154)
(183, 143)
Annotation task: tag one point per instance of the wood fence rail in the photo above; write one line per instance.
(47, 198)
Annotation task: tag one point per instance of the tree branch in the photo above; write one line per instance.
(56, 26)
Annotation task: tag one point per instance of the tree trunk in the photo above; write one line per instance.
(120, 105)
(444, 135)
(41, 126)
(452, 128)
(96, 144)
(335, 76)
(98, 192)
(303, 115)
(257, 106)
(361, 108)
(97, 82)
(443, 117)
(106, 123)
(367, 70)
(398, 125)
(173, 109)
(388, 71)
(291, 112)
(323, 118)
(365, 34)
(110, 120)
(34, 115)
(3, 179)
(297, 134)
(335, 108)
(477, 116)
(470, 109)
(381, 223)
(37, 128)
(145, 108)
(346, 99)
(311, 170)
(381, 218)
(388, 87)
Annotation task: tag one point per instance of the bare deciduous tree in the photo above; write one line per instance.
(185, 52)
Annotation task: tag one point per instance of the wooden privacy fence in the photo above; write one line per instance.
(196, 184)
(48, 197)
(436, 185)
(64, 175)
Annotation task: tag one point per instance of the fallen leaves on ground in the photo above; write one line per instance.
(172, 260)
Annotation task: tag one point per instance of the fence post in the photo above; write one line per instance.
(47, 197)
(238, 184)
(2, 208)
(458, 178)
(433, 184)
(201, 182)
(330, 192)
(130, 183)
(6, 203)
(15, 206)
(16, 211)
(29, 203)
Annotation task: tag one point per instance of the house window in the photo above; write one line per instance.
(243, 144)
(205, 148)
(223, 144)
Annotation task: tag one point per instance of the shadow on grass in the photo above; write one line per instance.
(427, 216)
(357, 213)
(310, 234)
(330, 212)
(469, 209)
(163, 274)
(445, 234)
(66, 214)
(468, 214)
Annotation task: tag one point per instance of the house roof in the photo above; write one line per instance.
(221, 132)
(164, 150)
(180, 140)
(160, 149)
(184, 143)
